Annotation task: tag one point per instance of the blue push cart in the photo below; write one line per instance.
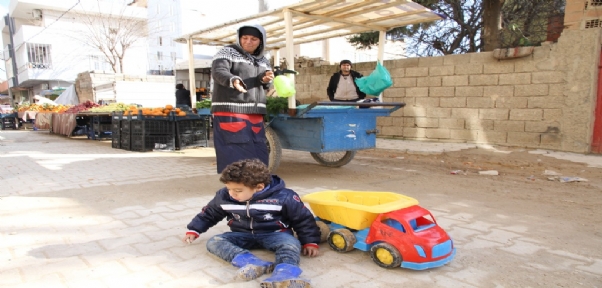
(331, 132)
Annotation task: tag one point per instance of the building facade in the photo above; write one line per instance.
(47, 43)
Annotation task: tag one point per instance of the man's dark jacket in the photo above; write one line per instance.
(334, 82)
(183, 97)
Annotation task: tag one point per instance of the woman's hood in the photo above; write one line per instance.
(261, 30)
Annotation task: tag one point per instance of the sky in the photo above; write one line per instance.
(4, 3)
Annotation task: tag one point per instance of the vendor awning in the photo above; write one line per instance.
(317, 20)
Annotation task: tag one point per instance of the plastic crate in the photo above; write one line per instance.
(191, 126)
(116, 127)
(141, 116)
(143, 143)
(124, 141)
(125, 126)
(102, 119)
(189, 116)
(198, 139)
(116, 141)
(151, 127)
(102, 127)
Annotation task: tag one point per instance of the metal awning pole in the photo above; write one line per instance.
(290, 57)
(381, 54)
(191, 78)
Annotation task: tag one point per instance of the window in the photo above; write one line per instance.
(38, 56)
(99, 63)
(173, 56)
(159, 55)
(394, 224)
(160, 42)
(170, 10)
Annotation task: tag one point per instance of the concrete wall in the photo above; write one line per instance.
(545, 100)
(87, 81)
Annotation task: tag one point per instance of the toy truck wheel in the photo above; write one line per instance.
(341, 240)
(324, 231)
(385, 255)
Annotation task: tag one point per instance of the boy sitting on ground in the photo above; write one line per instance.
(261, 213)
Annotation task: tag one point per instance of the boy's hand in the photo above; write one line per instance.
(310, 251)
(188, 238)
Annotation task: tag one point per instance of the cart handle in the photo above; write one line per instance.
(396, 105)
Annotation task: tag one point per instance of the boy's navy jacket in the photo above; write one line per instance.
(277, 209)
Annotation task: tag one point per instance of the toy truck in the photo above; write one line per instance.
(392, 227)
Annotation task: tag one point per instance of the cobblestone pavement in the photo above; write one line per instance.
(77, 213)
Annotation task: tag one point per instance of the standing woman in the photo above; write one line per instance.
(241, 76)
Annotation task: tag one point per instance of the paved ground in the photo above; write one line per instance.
(77, 213)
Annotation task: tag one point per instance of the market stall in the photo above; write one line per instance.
(309, 21)
(63, 124)
(43, 120)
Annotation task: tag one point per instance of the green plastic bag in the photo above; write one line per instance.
(376, 82)
(285, 86)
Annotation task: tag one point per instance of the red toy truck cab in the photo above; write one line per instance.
(418, 241)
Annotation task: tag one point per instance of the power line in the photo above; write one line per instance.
(46, 27)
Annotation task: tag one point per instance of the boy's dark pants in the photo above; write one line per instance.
(286, 247)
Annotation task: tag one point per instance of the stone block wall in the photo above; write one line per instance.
(545, 100)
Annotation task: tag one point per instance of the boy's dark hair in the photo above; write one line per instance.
(248, 172)
(180, 86)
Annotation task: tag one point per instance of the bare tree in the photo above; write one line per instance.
(112, 35)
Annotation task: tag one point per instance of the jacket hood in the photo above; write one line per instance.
(261, 47)
(276, 185)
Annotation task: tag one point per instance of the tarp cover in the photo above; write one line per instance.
(68, 97)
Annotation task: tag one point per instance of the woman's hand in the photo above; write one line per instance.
(238, 86)
(269, 76)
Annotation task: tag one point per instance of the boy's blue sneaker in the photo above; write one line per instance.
(250, 266)
(285, 276)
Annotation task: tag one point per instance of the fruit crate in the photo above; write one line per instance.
(116, 141)
(101, 130)
(143, 143)
(151, 127)
(198, 139)
(189, 116)
(116, 127)
(102, 119)
(141, 116)
(124, 141)
(190, 126)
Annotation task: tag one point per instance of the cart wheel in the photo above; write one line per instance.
(333, 159)
(324, 231)
(341, 240)
(385, 255)
(274, 149)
